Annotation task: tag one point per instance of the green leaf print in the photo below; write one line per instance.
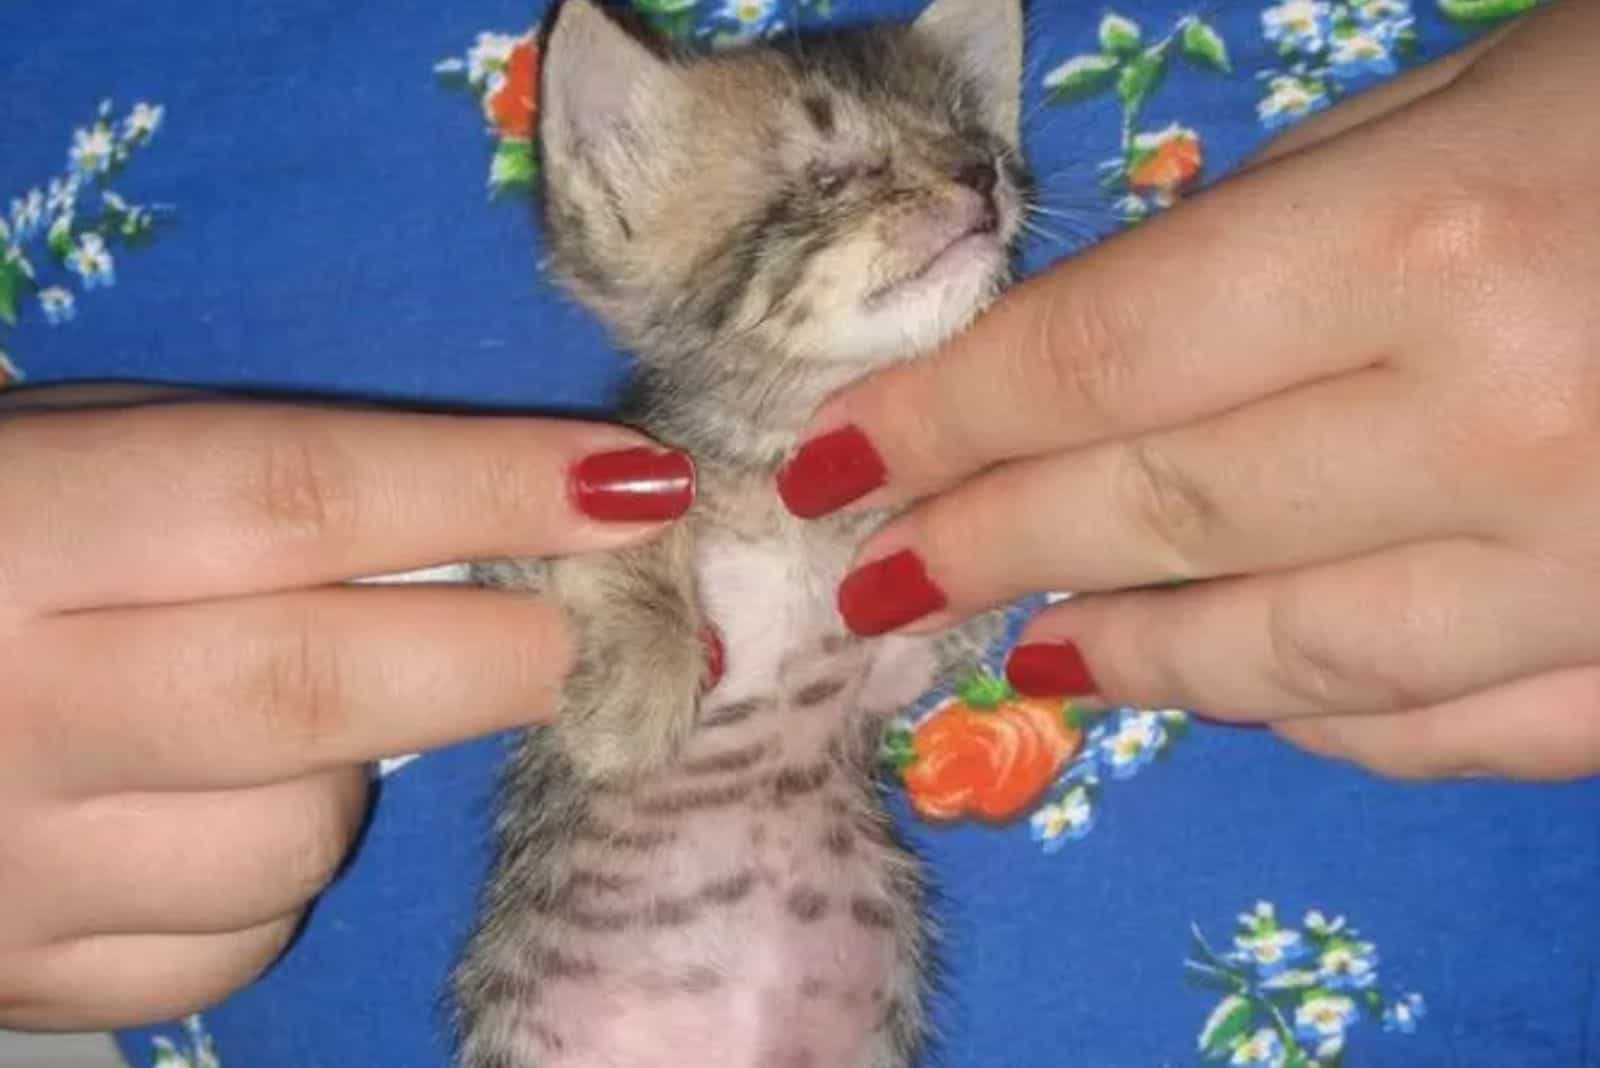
(60, 236)
(1205, 46)
(985, 690)
(1225, 1026)
(1485, 10)
(1141, 76)
(1119, 36)
(1080, 77)
(513, 165)
(11, 282)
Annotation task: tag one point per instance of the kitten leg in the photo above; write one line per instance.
(628, 703)
(633, 693)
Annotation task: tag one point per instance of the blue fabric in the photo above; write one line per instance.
(319, 222)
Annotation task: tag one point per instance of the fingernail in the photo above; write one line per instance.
(888, 594)
(633, 485)
(1049, 669)
(716, 658)
(829, 472)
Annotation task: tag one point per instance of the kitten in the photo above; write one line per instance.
(690, 881)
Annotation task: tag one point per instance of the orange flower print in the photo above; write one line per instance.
(987, 754)
(501, 71)
(1165, 162)
(510, 102)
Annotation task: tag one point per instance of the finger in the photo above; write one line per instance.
(1188, 315)
(1543, 728)
(188, 863)
(113, 981)
(1407, 627)
(225, 694)
(185, 501)
(1328, 471)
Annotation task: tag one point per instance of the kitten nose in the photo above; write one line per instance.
(981, 177)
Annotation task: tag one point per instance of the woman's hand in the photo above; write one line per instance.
(190, 693)
(1356, 390)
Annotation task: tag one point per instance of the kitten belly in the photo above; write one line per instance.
(757, 945)
(761, 916)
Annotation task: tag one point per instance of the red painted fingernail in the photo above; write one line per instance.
(1049, 669)
(887, 594)
(829, 472)
(633, 485)
(716, 657)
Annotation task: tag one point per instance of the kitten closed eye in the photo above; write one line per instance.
(833, 179)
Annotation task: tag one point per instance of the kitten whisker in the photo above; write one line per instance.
(1038, 231)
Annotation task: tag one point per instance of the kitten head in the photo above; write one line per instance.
(843, 198)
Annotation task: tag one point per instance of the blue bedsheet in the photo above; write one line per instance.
(326, 198)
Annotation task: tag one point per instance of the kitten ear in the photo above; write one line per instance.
(597, 78)
(984, 37)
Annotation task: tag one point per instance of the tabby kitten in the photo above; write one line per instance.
(709, 881)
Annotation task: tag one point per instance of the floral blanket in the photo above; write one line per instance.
(332, 199)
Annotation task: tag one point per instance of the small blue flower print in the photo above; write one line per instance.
(1263, 1047)
(92, 150)
(1059, 822)
(1403, 1016)
(193, 1049)
(1348, 965)
(1290, 98)
(1362, 51)
(1328, 47)
(751, 13)
(1298, 25)
(1319, 1019)
(1117, 745)
(1389, 18)
(63, 194)
(726, 23)
(60, 225)
(1292, 995)
(1132, 744)
(58, 305)
(92, 261)
(1269, 952)
(142, 122)
(27, 216)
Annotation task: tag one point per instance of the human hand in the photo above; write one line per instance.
(1356, 390)
(190, 693)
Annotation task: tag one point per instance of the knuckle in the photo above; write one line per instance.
(298, 684)
(1530, 428)
(22, 1010)
(1498, 252)
(1306, 662)
(1168, 506)
(296, 489)
(1086, 360)
(1463, 227)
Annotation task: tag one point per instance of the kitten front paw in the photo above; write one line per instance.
(633, 695)
(632, 698)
